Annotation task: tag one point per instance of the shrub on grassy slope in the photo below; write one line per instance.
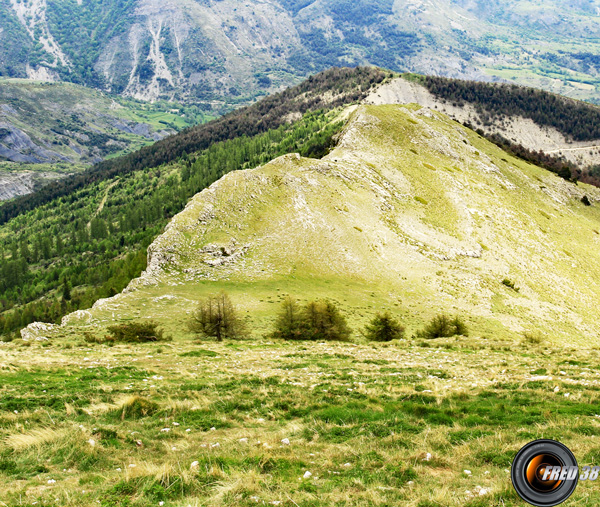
(384, 328)
(216, 317)
(317, 320)
(443, 326)
(136, 407)
(137, 332)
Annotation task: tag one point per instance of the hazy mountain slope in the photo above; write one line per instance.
(17, 180)
(548, 44)
(214, 51)
(60, 128)
(411, 211)
(44, 123)
(330, 89)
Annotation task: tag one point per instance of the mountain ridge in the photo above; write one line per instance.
(95, 254)
(519, 127)
(398, 215)
(357, 84)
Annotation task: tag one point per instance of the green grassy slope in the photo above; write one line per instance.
(92, 242)
(89, 232)
(411, 212)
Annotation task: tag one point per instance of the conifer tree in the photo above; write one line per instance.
(216, 317)
(384, 328)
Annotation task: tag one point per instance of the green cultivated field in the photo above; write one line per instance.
(189, 423)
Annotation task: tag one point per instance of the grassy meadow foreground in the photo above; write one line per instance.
(257, 422)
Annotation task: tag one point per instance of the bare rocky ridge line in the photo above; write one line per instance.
(523, 131)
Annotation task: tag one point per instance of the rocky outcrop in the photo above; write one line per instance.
(37, 331)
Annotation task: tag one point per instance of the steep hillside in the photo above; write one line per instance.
(47, 123)
(57, 129)
(327, 90)
(85, 237)
(542, 127)
(411, 211)
(222, 50)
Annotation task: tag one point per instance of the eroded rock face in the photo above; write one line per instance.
(14, 184)
(17, 146)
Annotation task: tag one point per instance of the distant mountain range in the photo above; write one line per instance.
(216, 51)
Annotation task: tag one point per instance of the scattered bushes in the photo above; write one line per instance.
(384, 328)
(136, 332)
(317, 320)
(442, 326)
(216, 317)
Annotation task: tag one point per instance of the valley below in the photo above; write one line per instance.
(49, 130)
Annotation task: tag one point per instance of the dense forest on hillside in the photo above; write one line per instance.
(363, 32)
(329, 90)
(87, 245)
(577, 121)
(81, 30)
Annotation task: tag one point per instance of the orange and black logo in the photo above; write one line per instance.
(545, 473)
